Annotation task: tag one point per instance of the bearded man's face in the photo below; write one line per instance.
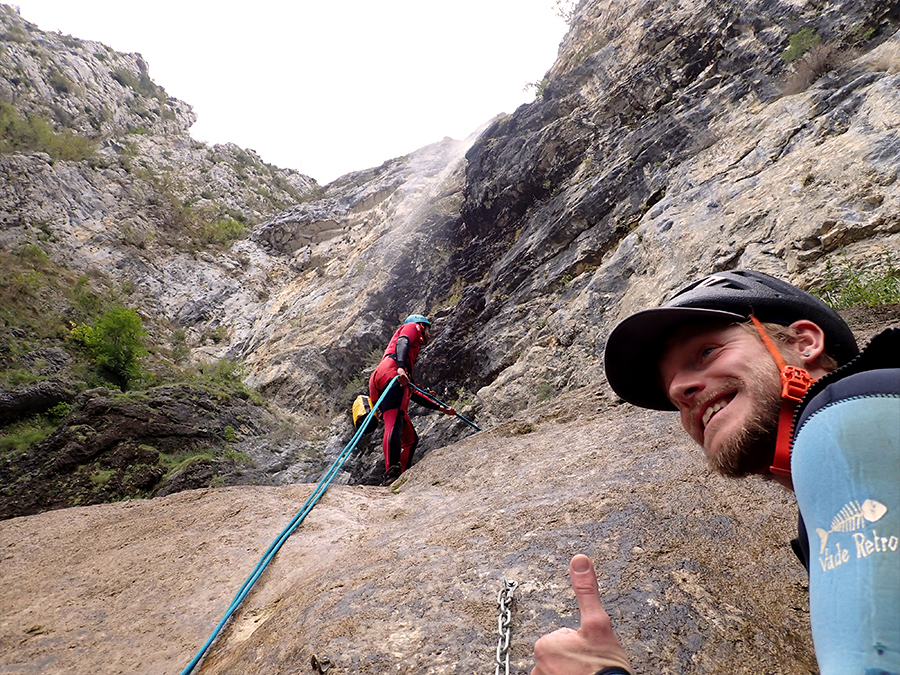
(727, 389)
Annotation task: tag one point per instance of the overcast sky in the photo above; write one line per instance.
(331, 86)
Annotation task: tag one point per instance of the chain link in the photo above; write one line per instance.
(504, 601)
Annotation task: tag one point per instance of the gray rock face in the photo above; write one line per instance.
(671, 140)
(664, 146)
(661, 150)
(41, 395)
(123, 440)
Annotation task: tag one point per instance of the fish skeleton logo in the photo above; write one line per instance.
(853, 517)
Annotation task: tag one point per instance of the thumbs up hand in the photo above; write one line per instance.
(593, 646)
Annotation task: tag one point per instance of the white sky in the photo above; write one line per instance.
(330, 86)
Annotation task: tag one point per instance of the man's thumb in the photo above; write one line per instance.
(584, 583)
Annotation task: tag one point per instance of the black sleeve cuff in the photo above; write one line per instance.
(401, 349)
(613, 670)
(423, 400)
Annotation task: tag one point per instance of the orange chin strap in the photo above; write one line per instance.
(794, 384)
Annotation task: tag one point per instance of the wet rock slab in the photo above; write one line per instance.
(695, 570)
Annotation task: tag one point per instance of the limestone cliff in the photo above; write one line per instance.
(664, 144)
(669, 139)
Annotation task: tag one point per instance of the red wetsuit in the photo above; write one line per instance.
(400, 438)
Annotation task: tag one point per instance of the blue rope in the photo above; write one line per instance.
(441, 403)
(323, 484)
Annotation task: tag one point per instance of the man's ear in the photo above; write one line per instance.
(810, 345)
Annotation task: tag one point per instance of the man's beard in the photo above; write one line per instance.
(752, 449)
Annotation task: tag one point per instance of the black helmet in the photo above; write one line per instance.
(636, 344)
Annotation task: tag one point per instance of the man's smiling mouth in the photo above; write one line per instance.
(713, 409)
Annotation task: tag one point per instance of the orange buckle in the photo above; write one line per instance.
(794, 383)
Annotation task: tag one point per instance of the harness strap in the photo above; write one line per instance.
(770, 345)
(794, 384)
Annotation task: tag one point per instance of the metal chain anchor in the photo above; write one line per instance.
(320, 664)
(504, 601)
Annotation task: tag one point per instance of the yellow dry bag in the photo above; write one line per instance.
(361, 407)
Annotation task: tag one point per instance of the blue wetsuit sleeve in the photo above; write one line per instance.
(845, 467)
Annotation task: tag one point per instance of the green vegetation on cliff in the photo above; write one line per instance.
(62, 334)
(849, 285)
(115, 343)
(34, 134)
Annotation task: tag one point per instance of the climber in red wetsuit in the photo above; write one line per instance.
(400, 438)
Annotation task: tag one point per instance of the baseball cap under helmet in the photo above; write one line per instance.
(636, 343)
